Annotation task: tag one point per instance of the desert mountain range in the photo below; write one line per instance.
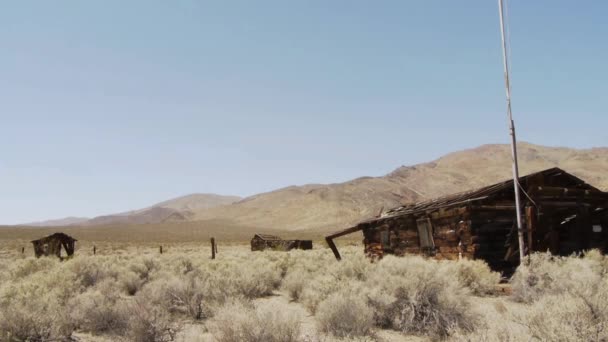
(174, 210)
(326, 207)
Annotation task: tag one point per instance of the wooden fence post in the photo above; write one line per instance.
(213, 248)
(22, 250)
(161, 249)
(94, 249)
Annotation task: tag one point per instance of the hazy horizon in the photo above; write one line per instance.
(115, 106)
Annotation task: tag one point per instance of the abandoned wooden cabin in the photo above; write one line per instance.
(261, 242)
(561, 214)
(52, 245)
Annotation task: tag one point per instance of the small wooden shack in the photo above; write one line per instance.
(562, 214)
(52, 245)
(261, 242)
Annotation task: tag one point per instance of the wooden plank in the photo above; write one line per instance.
(212, 248)
(345, 232)
(583, 224)
(494, 207)
(330, 239)
(566, 192)
(425, 234)
(531, 225)
(332, 245)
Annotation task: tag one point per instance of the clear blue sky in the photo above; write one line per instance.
(107, 106)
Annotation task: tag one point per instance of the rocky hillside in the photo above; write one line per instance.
(328, 207)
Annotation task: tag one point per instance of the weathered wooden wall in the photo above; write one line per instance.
(53, 246)
(559, 213)
(258, 244)
(452, 236)
(488, 232)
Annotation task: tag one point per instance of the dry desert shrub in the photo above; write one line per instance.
(558, 299)
(318, 289)
(547, 274)
(185, 294)
(99, 311)
(564, 317)
(130, 282)
(24, 267)
(144, 267)
(598, 261)
(497, 322)
(410, 294)
(239, 321)
(32, 306)
(569, 297)
(257, 279)
(345, 315)
(149, 322)
(142, 296)
(193, 333)
(294, 283)
(42, 320)
(570, 317)
(325, 276)
(418, 295)
(475, 275)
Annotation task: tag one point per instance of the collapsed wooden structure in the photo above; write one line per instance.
(563, 215)
(52, 245)
(261, 242)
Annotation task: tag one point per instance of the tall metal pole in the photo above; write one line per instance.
(520, 233)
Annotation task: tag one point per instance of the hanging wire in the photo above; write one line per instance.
(525, 193)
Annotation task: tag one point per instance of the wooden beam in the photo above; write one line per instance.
(332, 245)
(330, 239)
(531, 225)
(344, 232)
(213, 248)
(568, 204)
(583, 225)
(567, 192)
(494, 207)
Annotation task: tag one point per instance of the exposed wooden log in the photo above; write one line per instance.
(561, 204)
(562, 191)
(213, 248)
(332, 245)
(568, 201)
(531, 225)
(345, 232)
(494, 207)
(330, 239)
